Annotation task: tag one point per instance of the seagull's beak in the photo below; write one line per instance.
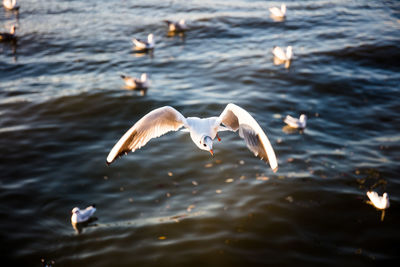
(212, 152)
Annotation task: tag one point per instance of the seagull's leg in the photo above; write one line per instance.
(219, 139)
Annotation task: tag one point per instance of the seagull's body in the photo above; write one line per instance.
(135, 83)
(296, 123)
(278, 12)
(281, 54)
(144, 45)
(11, 4)
(179, 26)
(202, 131)
(80, 216)
(380, 202)
(8, 36)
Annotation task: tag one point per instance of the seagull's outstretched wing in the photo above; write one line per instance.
(156, 123)
(236, 118)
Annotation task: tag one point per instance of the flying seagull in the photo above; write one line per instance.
(279, 13)
(296, 123)
(144, 45)
(179, 26)
(80, 216)
(380, 202)
(202, 131)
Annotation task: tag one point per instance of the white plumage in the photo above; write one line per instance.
(281, 54)
(143, 45)
(136, 83)
(202, 131)
(11, 4)
(380, 202)
(80, 216)
(278, 12)
(179, 26)
(296, 123)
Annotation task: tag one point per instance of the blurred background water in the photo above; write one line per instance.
(63, 107)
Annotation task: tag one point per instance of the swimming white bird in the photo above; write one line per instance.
(79, 216)
(380, 202)
(8, 36)
(144, 45)
(281, 54)
(279, 13)
(202, 131)
(135, 83)
(179, 26)
(296, 123)
(11, 4)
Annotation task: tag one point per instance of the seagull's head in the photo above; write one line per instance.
(143, 77)
(283, 8)
(182, 22)
(206, 143)
(303, 118)
(150, 38)
(289, 52)
(12, 29)
(75, 210)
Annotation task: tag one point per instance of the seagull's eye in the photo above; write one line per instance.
(204, 145)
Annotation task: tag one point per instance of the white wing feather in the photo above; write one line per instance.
(156, 123)
(236, 118)
(279, 53)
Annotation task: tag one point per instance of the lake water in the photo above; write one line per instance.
(63, 107)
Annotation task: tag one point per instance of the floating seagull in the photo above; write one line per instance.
(296, 123)
(281, 54)
(279, 13)
(8, 36)
(380, 202)
(202, 131)
(81, 216)
(143, 45)
(135, 83)
(11, 4)
(179, 26)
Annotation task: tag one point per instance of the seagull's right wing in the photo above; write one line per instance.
(156, 123)
(236, 118)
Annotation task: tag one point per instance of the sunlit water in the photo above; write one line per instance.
(63, 107)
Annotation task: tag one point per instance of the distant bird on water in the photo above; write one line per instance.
(296, 123)
(380, 202)
(144, 45)
(179, 26)
(278, 13)
(11, 4)
(281, 54)
(202, 131)
(81, 216)
(135, 83)
(8, 36)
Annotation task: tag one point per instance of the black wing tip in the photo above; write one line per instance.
(93, 205)
(122, 76)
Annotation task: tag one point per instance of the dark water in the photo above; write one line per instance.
(63, 107)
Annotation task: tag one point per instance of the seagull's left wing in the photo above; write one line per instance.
(156, 123)
(236, 118)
